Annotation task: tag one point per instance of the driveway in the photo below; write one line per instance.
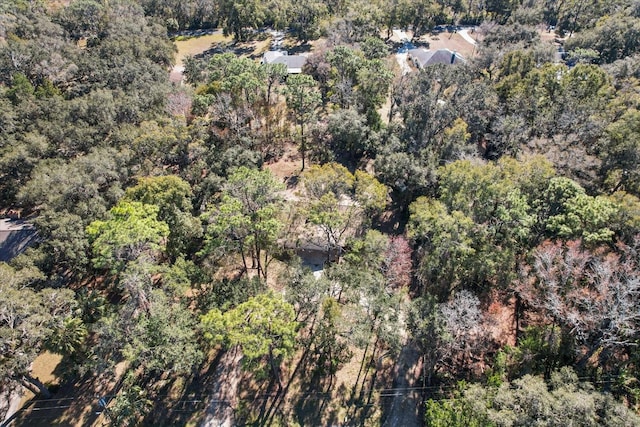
(465, 35)
(402, 61)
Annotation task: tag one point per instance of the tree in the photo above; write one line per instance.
(374, 80)
(241, 16)
(374, 48)
(341, 203)
(370, 193)
(21, 89)
(621, 153)
(262, 326)
(428, 112)
(449, 244)
(242, 78)
(131, 231)
(83, 19)
(306, 18)
(482, 192)
(172, 196)
(589, 295)
(426, 326)
(247, 217)
(461, 329)
(351, 137)
(303, 99)
(345, 63)
(614, 36)
(334, 219)
(563, 400)
(130, 405)
(29, 321)
(162, 339)
(273, 113)
(455, 412)
(328, 178)
(373, 314)
(570, 213)
(627, 219)
(68, 195)
(390, 256)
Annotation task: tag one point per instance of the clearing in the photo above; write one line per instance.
(212, 40)
(451, 40)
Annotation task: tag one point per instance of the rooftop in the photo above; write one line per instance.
(294, 63)
(424, 57)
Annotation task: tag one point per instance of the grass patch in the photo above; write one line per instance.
(190, 46)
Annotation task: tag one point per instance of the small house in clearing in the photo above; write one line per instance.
(422, 57)
(294, 63)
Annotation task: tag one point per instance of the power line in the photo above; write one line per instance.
(181, 406)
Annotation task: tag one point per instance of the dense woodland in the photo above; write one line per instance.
(438, 199)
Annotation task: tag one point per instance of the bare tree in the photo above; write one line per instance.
(592, 296)
(462, 332)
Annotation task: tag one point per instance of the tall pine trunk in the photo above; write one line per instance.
(36, 386)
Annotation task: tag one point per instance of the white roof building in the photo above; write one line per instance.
(294, 63)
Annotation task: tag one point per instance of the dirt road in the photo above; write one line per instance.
(223, 396)
(405, 409)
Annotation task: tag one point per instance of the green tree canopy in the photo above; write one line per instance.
(262, 326)
(172, 195)
(29, 320)
(247, 217)
(303, 98)
(132, 229)
(564, 400)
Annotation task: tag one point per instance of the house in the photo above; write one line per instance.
(294, 63)
(424, 57)
(16, 235)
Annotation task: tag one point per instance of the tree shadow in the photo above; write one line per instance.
(317, 403)
(191, 400)
(74, 401)
(300, 48)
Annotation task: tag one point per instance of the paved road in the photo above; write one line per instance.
(402, 61)
(465, 35)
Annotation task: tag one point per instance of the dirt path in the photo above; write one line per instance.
(223, 396)
(405, 409)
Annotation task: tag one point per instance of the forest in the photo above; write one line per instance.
(458, 245)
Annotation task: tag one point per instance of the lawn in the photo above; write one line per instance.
(196, 45)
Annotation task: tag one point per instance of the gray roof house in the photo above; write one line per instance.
(294, 63)
(423, 57)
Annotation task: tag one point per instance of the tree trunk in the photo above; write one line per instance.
(303, 146)
(244, 259)
(36, 386)
(362, 363)
(517, 313)
(275, 369)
